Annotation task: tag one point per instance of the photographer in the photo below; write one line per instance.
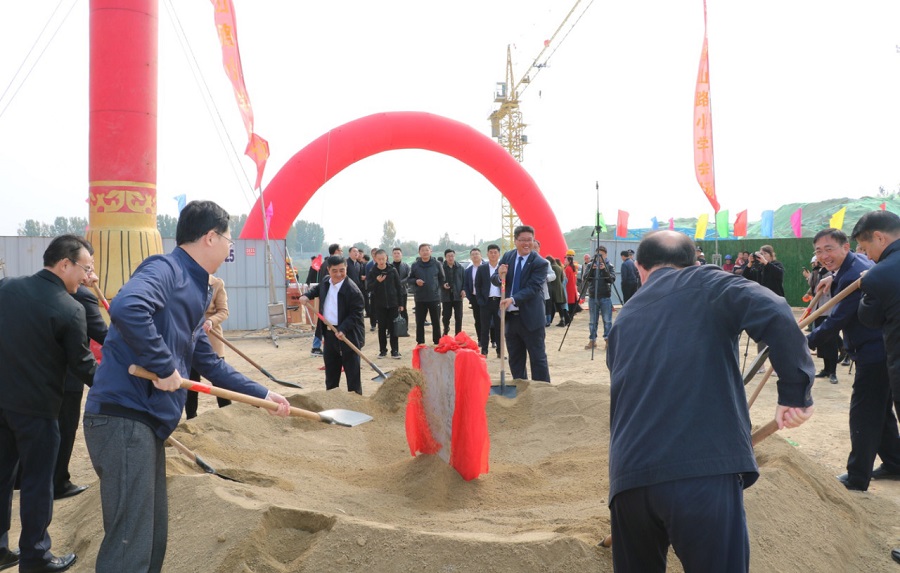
(764, 269)
(599, 280)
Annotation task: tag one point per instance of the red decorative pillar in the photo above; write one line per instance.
(122, 170)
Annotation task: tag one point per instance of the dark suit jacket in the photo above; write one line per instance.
(469, 283)
(530, 296)
(483, 284)
(96, 329)
(42, 332)
(350, 310)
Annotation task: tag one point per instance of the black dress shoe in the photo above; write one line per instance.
(53, 565)
(8, 559)
(69, 490)
(882, 472)
(895, 554)
(833, 378)
(845, 479)
(822, 374)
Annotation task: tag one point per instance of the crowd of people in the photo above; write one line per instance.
(167, 318)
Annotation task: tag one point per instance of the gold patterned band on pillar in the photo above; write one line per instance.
(122, 230)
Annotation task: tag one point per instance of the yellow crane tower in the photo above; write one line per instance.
(506, 121)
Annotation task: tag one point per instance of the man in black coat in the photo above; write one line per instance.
(342, 304)
(488, 296)
(70, 412)
(525, 273)
(469, 288)
(43, 334)
(427, 275)
(453, 292)
(878, 233)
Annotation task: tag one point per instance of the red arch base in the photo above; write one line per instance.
(315, 164)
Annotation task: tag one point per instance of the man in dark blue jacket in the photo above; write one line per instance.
(679, 424)
(873, 427)
(878, 233)
(157, 322)
(43, 334)
(525, 273)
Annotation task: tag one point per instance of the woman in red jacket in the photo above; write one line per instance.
(571, 287)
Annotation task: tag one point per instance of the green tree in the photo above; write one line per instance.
(306, 237)
(166, 224)
(388, 235)
(236, 224)
(60, 226)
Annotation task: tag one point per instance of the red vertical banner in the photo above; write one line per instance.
(622, 224)
(740, 224)
(226, 29)
(703, 136)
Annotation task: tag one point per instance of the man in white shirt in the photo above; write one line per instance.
(488, 297)
(342, 305)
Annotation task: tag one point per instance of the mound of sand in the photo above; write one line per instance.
(318, 497)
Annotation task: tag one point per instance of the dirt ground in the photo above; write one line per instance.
(317, 497)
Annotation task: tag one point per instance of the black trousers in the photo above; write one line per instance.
(31, 442)
(476, 314)
(454, 308)
(702, 518)
(384, 322)
(338, 355)
(432, 309)
(190, 406)
(873, 427)
(828, 350)
(628, 292)
(490, 324)
(69, 420)
(520, 342)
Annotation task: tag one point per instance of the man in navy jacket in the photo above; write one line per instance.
(525, 273)
(679, 423)
(157, 322)
(873, 427)
(878, 233)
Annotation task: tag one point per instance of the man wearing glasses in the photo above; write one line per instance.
(44, 334)
(157, 322)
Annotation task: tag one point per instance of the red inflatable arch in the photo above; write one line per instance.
(315, 164)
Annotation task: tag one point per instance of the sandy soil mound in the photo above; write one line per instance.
(324, 498)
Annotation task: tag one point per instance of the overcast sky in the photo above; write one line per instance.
(805, 97)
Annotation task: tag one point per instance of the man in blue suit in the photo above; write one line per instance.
(525, 274)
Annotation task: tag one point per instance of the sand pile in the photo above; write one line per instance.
(319, 497)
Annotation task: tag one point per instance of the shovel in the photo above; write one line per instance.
(503, 389)
(197, 459)
(252, 363)
(347, 418)
(382, 375)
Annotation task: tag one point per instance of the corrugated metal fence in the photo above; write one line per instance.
(245, 274)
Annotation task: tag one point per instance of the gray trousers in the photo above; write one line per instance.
(131, 463)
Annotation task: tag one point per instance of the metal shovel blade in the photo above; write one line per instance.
(507, 391)
(347, 418)
(756, 365)
(382, 376)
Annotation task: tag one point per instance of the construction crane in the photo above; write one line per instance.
(507, 126)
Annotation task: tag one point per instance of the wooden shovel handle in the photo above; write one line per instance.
(140, 372)
(233, 347)
(851, 288)
(764, 432)
(101, 297)
(352, 346)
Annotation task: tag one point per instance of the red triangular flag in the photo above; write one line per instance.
(316, 263)
(740, 224)
(884, 206)
(622, 224)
